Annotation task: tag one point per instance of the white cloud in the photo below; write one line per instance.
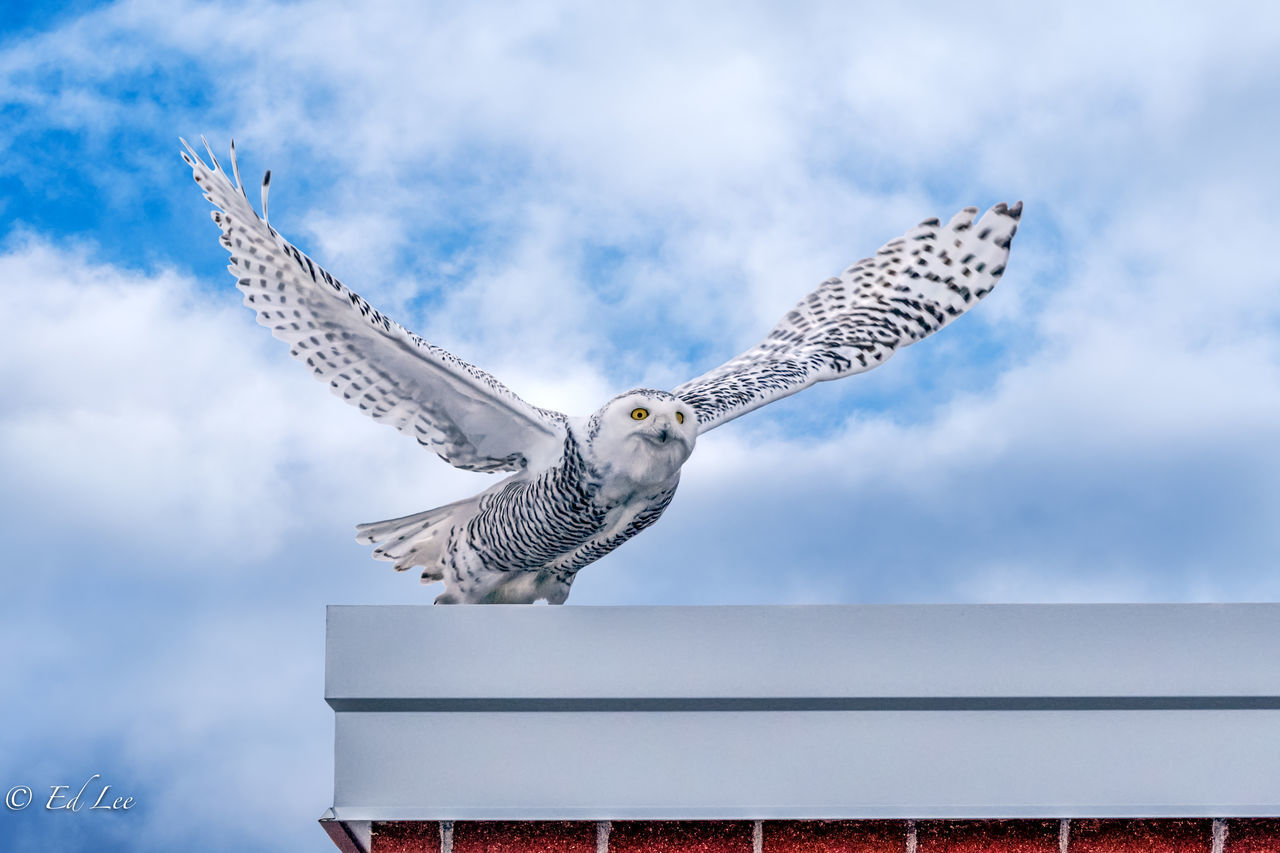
(178, 506)
(161, 417)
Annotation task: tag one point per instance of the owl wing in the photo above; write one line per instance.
(914, 285)
(469, 418)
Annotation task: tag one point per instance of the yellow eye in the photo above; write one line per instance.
(639, 414)
(679, 417)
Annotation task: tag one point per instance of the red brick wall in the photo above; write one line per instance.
(988, 836)
(834, 836)
(676, 836)
(839, 836)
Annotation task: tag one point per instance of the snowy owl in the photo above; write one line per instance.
(581, 485)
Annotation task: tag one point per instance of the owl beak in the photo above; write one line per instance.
(666, 431)
(660, 432)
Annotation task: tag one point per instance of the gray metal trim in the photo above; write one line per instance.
(669, 653)
(1232, 811)
(800, 703)
(927, 764)
(936, 711)
(344, 832)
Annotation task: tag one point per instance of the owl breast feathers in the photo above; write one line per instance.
(580, 486)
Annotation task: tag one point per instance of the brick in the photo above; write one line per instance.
(835, 836)
(532, 836)
(680, 836)
(987, 836)
(1252, 835)
(1146, 836)
(406, 836)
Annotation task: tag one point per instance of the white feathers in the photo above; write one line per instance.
(372, 362)
(581, 486)
(913, 286)
(641, 438)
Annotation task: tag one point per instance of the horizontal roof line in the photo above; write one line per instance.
(384, 704)
(821, 811)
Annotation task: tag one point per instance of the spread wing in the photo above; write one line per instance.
(913, 286)
(469, 418)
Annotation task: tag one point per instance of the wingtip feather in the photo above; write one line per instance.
(212, 159)
(190, 156)
(235, 170)
(266, 187)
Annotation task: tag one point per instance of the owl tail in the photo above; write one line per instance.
(420, 539)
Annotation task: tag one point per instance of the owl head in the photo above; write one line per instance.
(644, 435)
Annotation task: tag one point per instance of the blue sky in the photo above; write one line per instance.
(582, 198)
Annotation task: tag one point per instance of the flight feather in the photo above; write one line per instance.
(912, 287)
(459, 411)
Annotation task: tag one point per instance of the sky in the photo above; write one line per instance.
(582, 198)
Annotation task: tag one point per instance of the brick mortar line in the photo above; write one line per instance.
(1219, 835)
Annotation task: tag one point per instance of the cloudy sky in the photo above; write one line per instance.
(582, 198)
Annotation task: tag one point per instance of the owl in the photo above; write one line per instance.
(579, 486)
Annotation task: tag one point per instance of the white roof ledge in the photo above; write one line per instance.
(928, 711)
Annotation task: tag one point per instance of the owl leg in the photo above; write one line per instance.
(558, 593)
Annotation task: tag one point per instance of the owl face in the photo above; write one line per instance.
(645, 435)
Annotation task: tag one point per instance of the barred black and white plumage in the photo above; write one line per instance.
(911, 288)
(581, 485)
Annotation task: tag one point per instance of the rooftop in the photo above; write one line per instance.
(914, 723)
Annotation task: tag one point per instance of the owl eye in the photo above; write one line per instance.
(639, 414)
(679, 417)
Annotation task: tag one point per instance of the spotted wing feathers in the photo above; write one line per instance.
(914, 285)
(469, 418)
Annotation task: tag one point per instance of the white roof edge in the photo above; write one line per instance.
(778, 653)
